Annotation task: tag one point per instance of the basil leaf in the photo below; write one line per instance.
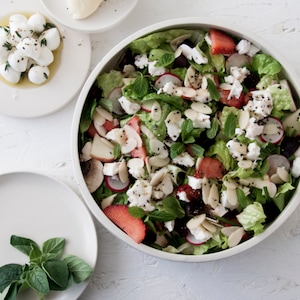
(174, 101)
(36, 278)
(117, 150)
(212, 89)
(161, 216)
(140, 87)
(243, 200)
(211, 132)
(57, 270)
(136, 212)
(80, 270)
(176, 149)
(188, 132)
(165, 60)
(196, 150)
(8, 274)
(230, 125)
(35, 253)
(22, 244)
(54, 246)
(172, 206)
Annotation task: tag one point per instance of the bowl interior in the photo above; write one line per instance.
(108, 62)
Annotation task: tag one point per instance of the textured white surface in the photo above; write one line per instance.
(271, 270)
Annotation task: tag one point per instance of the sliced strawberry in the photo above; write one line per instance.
(134, 122)
(91, 130)
(221, 43)
(210, 168)
(120, 215)
(139, 152)
(109, 125)
(190, 192)
(233, 101)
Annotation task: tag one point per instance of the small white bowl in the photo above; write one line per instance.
(108, 62)
(108, 15)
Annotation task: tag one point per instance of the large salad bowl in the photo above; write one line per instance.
(222, 225)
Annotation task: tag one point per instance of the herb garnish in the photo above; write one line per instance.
(47, 269)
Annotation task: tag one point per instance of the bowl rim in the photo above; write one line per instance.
(199, 22)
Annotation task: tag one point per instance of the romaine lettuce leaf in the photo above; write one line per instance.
(265, 64)
(252, 218)
(108, 81)
(154, 40)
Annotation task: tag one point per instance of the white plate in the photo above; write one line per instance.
(109, 14)
(38, 207)
(66, 81)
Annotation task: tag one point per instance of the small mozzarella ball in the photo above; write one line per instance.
(30, 47)
(51, 38)
(46, 57)
(18, 61)
(23, 31)
(4, 49)
(15, 21)
(38, 74)
(4, 32)
(37, 22)
(9, 74)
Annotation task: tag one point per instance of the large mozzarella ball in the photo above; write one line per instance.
(9, 74)
(37, 22)
(38, 74)
(30, 47)
(50, 38)
(17, 61)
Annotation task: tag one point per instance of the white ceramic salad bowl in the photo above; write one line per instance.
(108, 63)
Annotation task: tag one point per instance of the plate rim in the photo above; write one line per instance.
(88, 29)
(23, 102)
(93, 234)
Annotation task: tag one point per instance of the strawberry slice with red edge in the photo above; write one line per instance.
(210, 168)
(134, 122)
(134, 227)
(221, 43)
(233, 101)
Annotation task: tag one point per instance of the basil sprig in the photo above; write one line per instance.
(47, 269)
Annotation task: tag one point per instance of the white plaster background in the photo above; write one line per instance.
(270, 270)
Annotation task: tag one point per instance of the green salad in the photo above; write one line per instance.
(190, 144)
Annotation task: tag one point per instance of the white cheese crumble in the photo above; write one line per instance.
(184, 159)
(140, 195)
(129, 107)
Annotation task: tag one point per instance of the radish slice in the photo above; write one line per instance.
(273, 130)
(277, 161)
(236, 60)
(114, 95)
(115, 184)
(191, 240)
(165, 78)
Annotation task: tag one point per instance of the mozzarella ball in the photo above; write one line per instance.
(46, 57)
(30, 47)
(9, 74)
(15, 21)
(17, 61)
(4, 50)
(37, 22)
(51, 37)
(23, 31)
(38, 74)
(4, 32)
